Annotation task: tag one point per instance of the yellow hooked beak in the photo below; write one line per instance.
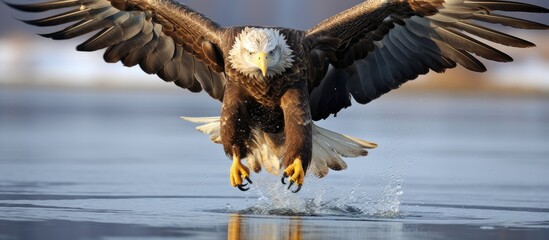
(262, 63)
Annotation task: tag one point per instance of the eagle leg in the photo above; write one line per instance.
(238, 172)
(296, 174)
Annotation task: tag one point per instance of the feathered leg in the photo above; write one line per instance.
(298, 132)
(235, 134)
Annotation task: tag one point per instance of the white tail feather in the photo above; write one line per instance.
(328, 147)
(266, 154)
(211, 128)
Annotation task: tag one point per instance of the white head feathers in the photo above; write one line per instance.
(255, 43)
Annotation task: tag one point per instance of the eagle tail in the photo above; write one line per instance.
(328, 147)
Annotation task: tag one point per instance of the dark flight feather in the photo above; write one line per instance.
(152, 34)
(394, 42)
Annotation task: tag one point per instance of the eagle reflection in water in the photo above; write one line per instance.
(238, 229)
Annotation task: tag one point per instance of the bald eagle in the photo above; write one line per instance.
(273, 82)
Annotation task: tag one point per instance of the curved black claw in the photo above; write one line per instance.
(242, 187)
(290, 185)
(248, 179)
(284, 176)
(297, 189)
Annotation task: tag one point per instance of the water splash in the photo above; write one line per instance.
(321, 200)
(274, 199)
(389, 206)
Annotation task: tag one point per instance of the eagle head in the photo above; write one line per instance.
(260, 52)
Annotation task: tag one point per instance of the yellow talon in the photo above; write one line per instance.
(239, 172)
(295, 172)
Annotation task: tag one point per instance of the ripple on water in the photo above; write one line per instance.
(274, 199)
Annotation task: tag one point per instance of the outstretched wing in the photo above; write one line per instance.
(385, 43)
(162, 36)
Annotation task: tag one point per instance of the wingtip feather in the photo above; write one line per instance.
(511, 6)
(44, 6)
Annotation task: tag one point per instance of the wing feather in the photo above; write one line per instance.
(186, 78)
(491, 35)
(385, 43)
(462, 57)
(88, 25)
(162, 36)
(497, 5)
(116, 52)
(399, 58)
(70, 16)
(114, 34)
(509, 21)
(172, 68)
(46, 6)
(384, 76)
(162, 53)
(137, 55)
(202, 75)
